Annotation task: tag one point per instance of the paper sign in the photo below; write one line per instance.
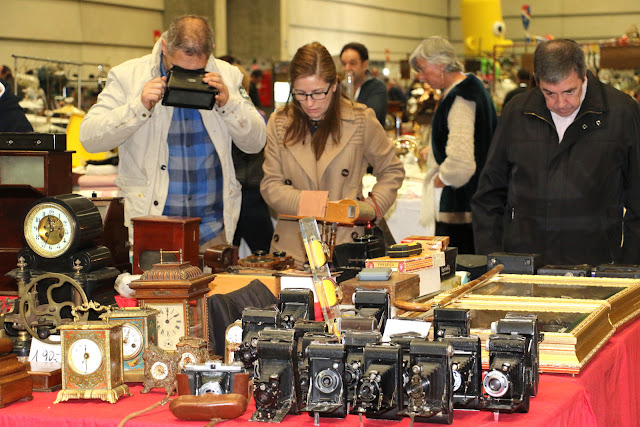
(41, 352)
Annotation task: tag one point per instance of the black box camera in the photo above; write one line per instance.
(186, 89)
(327, 389)
(296, 304)
(429, 388)
(373, 303)
(452, 322)
(379, 390)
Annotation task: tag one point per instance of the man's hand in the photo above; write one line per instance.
(153, 91)
(214, 80)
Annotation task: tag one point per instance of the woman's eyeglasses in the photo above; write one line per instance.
(316, 96)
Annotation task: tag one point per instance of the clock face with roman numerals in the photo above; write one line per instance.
(170, 323)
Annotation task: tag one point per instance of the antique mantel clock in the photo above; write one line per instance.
(178, 290)
(138, 332)
(92, 358)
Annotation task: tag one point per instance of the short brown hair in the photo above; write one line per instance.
(190, 34)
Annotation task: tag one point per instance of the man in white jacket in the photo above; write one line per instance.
(176, 161)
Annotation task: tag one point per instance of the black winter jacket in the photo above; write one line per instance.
(564, 201)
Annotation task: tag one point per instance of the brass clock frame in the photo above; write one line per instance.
(191, 351)
(106, 382)
(145, 321)
(160, 369)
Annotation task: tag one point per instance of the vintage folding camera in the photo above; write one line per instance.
(355, 342)
(254, 320)
(274, 390)
(452, 322)
(212, 377)
(513, 364)
(429, 390)
(326, 370)
(525, 324)
(186, 89)
(466, 371)
(404, 339)
(303, 359)
(505, 387)
(380, 388)
(296, 304)
(373, 303)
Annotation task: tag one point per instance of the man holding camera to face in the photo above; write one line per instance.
(175, 156)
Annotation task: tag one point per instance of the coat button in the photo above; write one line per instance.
(163, 167)
(598, 122)
(287, 182)
(276, 237)
(345, 172)
(584, 126)
(155, 203)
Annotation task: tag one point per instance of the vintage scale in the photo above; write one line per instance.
(178, 290)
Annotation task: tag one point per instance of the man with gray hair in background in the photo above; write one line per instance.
(176, 161)
(563, 174)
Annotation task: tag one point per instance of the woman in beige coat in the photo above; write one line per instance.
(321, 141)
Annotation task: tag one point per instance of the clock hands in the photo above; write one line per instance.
(86, 359)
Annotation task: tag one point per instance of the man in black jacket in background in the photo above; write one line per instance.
(369, 90)
(12, 118)
(563, 174)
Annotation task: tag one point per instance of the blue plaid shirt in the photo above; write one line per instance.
(195, 172)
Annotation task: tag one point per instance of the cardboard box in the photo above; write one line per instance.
(429, 243)
(412, 264)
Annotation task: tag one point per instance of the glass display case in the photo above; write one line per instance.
(576, 314)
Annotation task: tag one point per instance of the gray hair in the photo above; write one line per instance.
(190, 34)
(436, 50)
(554, 60)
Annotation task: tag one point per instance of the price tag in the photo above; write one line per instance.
(42, 352)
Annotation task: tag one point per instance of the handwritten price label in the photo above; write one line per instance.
(42, 352)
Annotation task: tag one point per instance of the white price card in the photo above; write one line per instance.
(42, 352)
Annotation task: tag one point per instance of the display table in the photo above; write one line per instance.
(604, 394)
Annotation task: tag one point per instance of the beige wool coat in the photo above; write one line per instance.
(291, 169)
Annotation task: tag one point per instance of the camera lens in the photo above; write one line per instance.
(327, 381)
(457, 380)
(265, 398)
(368, 391)
(496, 384)
(213, 387)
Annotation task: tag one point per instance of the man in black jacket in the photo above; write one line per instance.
(563, 174)
(12, 117)
(368, 90)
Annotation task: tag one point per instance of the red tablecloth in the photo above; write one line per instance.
(606, 393)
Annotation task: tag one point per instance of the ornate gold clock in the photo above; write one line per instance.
(160, 369)
(191, 351)
(178, 290)
(92, 359)
(138, 332)
(232, 340)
